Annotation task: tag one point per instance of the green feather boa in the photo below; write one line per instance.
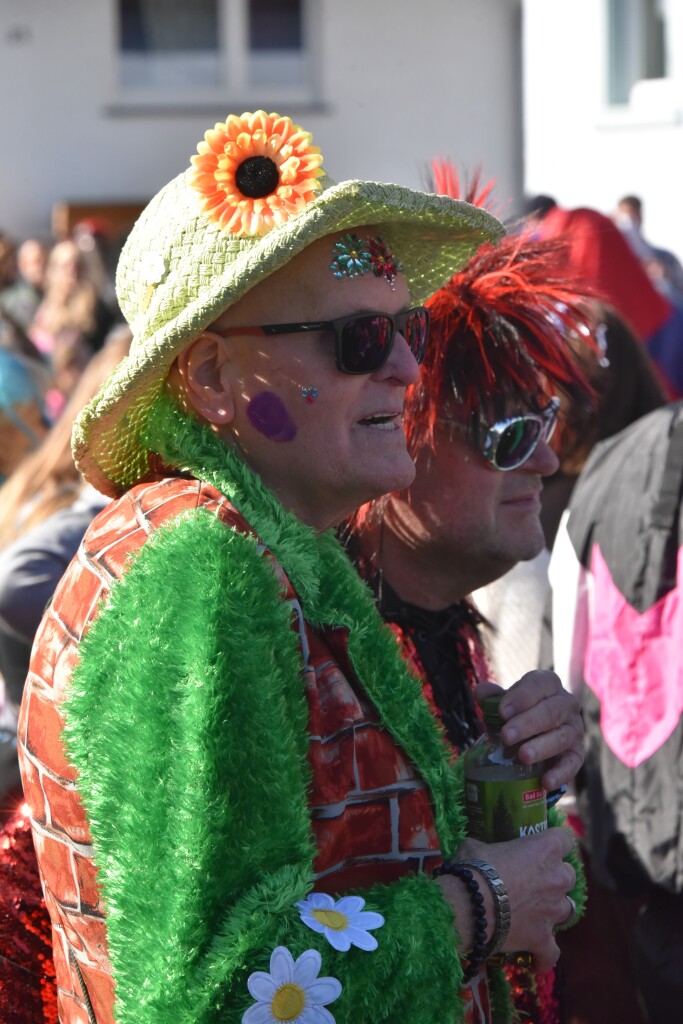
(331, 594)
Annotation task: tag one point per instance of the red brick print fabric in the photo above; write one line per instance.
(361, 779)
(371, 814)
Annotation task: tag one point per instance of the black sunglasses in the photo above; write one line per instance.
(362, 342)
(509, 443)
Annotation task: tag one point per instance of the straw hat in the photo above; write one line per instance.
(255, 197)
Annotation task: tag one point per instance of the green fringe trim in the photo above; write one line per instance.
(168, 742)
(331, 594)
(502, 1010)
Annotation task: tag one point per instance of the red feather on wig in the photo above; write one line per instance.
(446, 182)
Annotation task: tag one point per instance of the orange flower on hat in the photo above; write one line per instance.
(253, 172)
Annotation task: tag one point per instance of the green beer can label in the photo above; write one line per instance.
(499, 810)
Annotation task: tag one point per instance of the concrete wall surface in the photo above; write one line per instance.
(397, 82)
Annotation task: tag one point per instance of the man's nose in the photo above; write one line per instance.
(401, 365)
(543, 460)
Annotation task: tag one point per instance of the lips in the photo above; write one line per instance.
(524, 500)
(382, 421)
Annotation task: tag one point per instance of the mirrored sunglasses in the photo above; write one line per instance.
(509, 443)
(362, 342)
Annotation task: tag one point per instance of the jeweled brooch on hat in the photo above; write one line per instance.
(384, 263)
(354, 256)
(255, 171)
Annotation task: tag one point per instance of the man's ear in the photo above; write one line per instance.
(206, 384)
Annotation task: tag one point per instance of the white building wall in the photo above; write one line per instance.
(579, 149)
(401, 81)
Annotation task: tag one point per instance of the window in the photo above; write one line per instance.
(167, 43)
(174, 50)
(276, 43)
(637, 44)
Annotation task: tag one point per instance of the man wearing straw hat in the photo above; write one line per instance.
(237, 792)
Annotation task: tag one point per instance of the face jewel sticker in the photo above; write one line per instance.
(384, 263)
(351, 257)
(354, 256)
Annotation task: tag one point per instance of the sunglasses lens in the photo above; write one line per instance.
(416, 332)
(366, 340)
(517, 442)
(365, 343)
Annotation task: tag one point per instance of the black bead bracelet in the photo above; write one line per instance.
(501, 903)
(479, 944)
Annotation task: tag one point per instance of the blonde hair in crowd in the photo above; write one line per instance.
(47, 479)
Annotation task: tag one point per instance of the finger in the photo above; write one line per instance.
(486, 689)
(572, 913)
(550, 845)
(551, 743)
(564, 770)
(546, 958)
(569, 876)
(551, 713)
(557, 842)
(529, 690)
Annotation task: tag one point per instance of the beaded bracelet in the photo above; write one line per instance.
(479, 944)
(501, 902)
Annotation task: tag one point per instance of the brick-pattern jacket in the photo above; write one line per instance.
(214, 725)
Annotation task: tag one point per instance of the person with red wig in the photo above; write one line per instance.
(479, 423)
(599, 257)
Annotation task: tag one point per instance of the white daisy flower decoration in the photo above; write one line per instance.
(292, 991)
(343, 922)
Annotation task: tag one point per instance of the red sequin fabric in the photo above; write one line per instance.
(28, 994)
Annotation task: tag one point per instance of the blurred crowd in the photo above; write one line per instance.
(57, 305)
(61, 334)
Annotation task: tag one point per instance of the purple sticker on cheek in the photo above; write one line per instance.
(268, 414)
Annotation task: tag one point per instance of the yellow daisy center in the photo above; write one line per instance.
(288, 1002)
(331, 919)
